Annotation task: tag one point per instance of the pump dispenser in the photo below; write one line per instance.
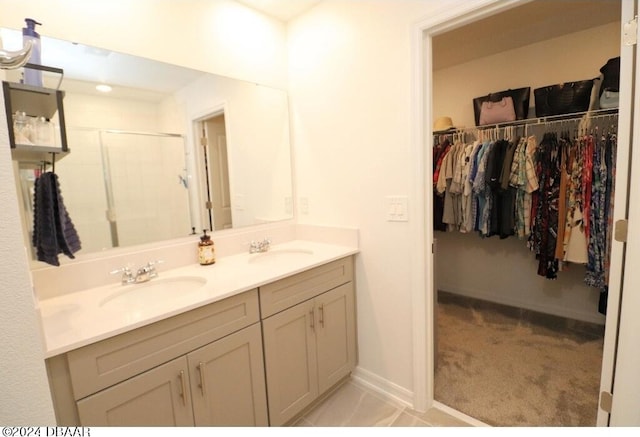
(206, 250)
(31, 76)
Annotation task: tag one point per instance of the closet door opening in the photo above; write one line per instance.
(525, 324)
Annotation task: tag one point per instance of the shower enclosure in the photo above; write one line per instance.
(121, 188)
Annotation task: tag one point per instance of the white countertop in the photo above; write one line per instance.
(77, 319)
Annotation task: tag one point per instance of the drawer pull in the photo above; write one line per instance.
(313, 319)
(202, 383)
(321, 321)
(184, 388)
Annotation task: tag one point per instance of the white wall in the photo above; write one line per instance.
(469, 265)
(573, 57)
(350, 88)
(257, 128)
(25, 398)
(219, 37)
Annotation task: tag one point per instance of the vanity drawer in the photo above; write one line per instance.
(290, 291)
(100, 365)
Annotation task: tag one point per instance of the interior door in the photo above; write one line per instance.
(218, 172)
(626, 385)
(617, 272)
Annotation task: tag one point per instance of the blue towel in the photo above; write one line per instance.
(53, 230)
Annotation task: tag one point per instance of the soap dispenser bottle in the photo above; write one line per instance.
(31, 76)
(206, 250)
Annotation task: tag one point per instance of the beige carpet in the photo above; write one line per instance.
(510, 367)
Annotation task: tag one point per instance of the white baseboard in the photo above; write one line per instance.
(458, 415)
(404, 396)
(383, 386)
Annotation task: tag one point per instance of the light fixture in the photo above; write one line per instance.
(103, 88)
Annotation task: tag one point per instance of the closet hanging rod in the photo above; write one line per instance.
(577, 119)
(576, 116)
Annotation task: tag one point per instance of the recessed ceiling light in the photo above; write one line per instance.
(103, 88)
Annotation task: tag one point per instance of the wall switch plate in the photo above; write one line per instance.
(238, 202)
(397, 208)
(304, 205)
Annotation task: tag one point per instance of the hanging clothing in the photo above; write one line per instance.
(507, 194)
(525, 180)
(546, 221)
(440, 149)
(451, 210)
(601, 209)
(611, 150)
(562, 201)
(482, 190)
(466, 224)
(557, 194)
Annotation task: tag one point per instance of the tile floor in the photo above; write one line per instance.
(353, 404)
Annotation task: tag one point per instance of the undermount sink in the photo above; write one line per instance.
(279, 255)
(156, 290)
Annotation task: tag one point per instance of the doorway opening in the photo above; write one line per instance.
(433, 108)
(215, 172)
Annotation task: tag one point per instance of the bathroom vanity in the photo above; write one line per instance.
(258, 341)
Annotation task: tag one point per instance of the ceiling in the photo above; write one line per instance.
(520, 26)
(283, 10)
(147, 80)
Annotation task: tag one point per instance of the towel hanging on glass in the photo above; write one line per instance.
(53, 230)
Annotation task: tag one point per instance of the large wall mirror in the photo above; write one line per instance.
(167, 152)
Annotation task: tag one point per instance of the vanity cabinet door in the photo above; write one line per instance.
(290, 360)
(336, 335)
(158, 397)
(227, 381)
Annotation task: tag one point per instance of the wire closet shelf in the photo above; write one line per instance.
(588, 122)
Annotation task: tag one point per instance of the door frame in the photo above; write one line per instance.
(199, 196)
(217, 166)
(423, 285)
(626, 397)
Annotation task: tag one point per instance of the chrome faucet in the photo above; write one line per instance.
(259, 246)
(143, 274)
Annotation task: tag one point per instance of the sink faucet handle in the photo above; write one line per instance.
(127, 274)
(123, 270)
(154, 262)
(151, 267)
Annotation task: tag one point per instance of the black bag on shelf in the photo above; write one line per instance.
(610, 75)
(520, 97)
(564, 98)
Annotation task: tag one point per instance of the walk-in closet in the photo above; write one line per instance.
(523, 238)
